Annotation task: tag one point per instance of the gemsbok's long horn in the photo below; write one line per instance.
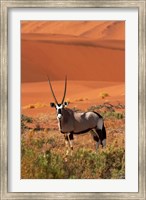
(65, 86)
(52, 90)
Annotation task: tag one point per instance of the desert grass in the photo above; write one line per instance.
(43, 149)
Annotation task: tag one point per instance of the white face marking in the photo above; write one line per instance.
(59, 107)
(59, 115)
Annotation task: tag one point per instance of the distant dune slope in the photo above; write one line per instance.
(96, 29)
(82, 50)
(107, 30)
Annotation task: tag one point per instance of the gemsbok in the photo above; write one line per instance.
(72, 122)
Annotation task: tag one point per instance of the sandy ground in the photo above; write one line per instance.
(80, 94)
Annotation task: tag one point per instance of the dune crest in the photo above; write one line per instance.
(90, 29)
(84, 50)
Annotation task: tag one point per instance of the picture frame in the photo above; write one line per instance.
(5, 6)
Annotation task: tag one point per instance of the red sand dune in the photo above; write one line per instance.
(90, 53)
(93, 29)
(82, 50)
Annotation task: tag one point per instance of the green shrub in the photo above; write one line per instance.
(106, 164)
(83, 164)
(38, 142)
(49, 165)
(114, 114)
(26, 119)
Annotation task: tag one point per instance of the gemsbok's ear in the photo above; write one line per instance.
(52, 105)
(65, 103)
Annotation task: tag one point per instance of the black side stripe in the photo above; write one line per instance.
(84, 131)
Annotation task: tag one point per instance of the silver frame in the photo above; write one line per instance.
(5, 4)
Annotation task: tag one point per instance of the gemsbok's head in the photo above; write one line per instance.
(58, 106)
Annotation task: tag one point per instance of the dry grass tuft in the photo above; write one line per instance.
(103, 95)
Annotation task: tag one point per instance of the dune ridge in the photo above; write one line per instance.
(59, 39)
(96, 29)
(84, 50)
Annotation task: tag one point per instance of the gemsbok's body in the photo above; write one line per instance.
(72, 123)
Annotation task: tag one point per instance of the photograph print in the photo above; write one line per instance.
(72, 99)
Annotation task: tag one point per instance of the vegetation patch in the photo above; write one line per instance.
(109, 111)
(83, 164)
(43, 148)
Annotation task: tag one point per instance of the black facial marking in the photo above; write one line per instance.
(59, 111)
(65, 103)
(52, 104)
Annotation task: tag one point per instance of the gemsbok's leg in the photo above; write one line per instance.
(100, 130)
(95, 138)
(66, 144)
(70, 139)
(69, 142)
(102, 136)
